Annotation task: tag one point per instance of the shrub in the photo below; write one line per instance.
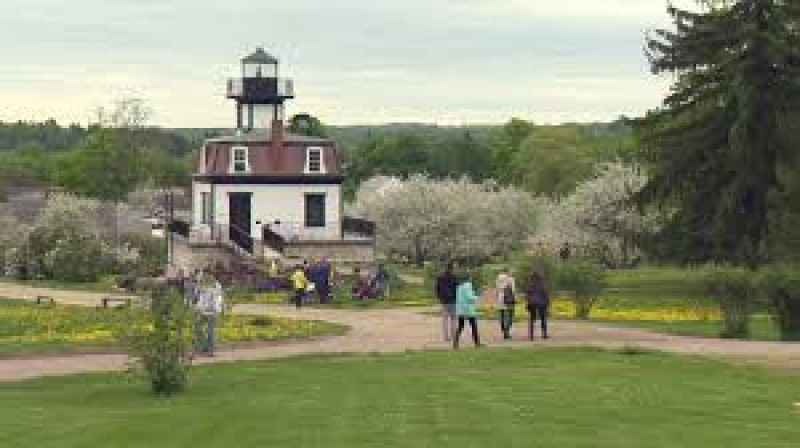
(781, 288)
(159, 342)
(734, 291)
(149, 255)
(584, 281)
(76, 257)
(546, 266)
(68, 241)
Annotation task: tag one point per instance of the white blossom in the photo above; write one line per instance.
(599, 216)
(422, 218)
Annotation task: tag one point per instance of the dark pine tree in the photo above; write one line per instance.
(717, 142)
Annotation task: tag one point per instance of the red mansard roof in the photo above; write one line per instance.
(288, 160)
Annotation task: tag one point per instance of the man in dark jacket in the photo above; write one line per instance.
(446, 285)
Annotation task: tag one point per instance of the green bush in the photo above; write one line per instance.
(584, 280)
(159, 341)
(781, 287)
(76, 258)
(546, 266)
(734, 290)
(151, 255)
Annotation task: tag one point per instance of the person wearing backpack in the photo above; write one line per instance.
(538, 302)
(506, 300)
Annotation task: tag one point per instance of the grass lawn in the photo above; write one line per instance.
(29, 329)
(668, 300)
(473, 398)
(400, 296)
(104, 285)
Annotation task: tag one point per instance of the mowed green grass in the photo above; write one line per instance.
(471, 398)
(650, 288)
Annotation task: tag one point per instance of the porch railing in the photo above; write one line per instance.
(358, 226)
(241, 239)
(273, 240)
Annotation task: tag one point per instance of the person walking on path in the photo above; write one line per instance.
(322, 280)
(299, 285)
(446, 284)
(209, 306)
(538, 304)
(506, 300)
(466, 309)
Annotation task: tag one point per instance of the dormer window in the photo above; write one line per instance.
(240, 162)
(314, 160)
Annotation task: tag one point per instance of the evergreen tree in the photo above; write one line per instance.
(717, 143)
(308, 125)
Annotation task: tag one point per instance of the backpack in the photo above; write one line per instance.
(508, 296)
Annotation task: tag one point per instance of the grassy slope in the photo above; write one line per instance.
(553, 398)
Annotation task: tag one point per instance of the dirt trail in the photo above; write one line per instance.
(397, 330)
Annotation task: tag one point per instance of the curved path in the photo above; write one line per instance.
(396, 330)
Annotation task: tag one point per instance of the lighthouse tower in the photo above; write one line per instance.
(259, 93)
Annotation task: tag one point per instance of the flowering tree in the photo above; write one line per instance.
(599, 216)
(13, 232)
(422, 219)
(68, 240)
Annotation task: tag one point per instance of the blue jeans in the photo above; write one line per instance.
(506, 321)
(204, 330)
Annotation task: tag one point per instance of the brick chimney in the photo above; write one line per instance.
(276, 142)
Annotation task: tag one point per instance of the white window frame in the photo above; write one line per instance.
(320, 152)
(246, 151)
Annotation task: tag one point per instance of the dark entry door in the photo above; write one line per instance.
(240, 205)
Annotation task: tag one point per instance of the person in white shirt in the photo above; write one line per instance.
(506, 299)
(209, 306)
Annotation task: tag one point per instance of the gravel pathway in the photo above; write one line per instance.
(397, 330)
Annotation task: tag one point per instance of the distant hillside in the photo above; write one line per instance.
(49, 136)
(356, 135)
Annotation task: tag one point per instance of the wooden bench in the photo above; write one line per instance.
(42, 300)
(123, 301)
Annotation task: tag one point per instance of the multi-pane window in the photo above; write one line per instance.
(314, 160)
(315, 210)
(239, 162)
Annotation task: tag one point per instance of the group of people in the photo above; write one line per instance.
(312, 278)
(459, 301)
(317, 278)
(372, 285)
(204, 294)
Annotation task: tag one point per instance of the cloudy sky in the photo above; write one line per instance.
(353, 61)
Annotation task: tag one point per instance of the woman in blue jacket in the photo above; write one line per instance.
(466, 309)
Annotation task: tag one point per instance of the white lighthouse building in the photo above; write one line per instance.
(267, 193)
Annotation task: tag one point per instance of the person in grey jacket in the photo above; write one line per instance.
(209, 307)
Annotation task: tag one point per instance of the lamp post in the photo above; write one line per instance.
(168, 217)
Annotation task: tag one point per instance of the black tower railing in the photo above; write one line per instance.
(260, 90)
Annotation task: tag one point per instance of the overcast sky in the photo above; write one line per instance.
(353, 61)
